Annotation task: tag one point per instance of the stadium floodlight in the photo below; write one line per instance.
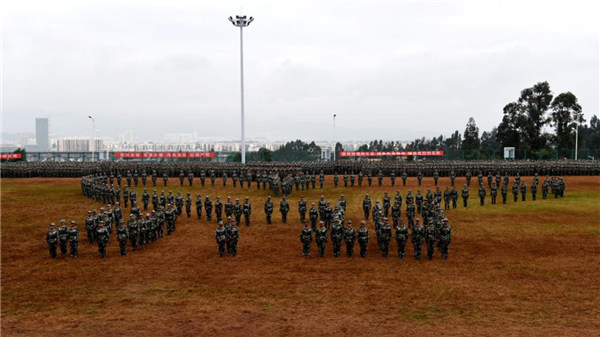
(242, 21)
(93, 135)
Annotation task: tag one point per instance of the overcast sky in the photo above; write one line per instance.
(389, 69)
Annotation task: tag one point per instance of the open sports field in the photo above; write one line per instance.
(530, 268)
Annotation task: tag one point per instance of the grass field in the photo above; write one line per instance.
(530, 268)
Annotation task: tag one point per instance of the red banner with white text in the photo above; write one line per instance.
(389, 153)
(143, 155)
(10, 156)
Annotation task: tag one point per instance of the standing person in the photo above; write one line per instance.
(313, 215)
(122, 235)
(306, 239)
(349, 239)
(302, 209)
(445, 238)
(90, 227)
(52, 240)
(417, 238)
(63, 237)
(269, 209)
(482, 193)
(247, 209)
(504, 192)
(386, 204)
(229, 207)
(321, 238)
(221, 237)
(385, 235)
(219, 208)
(199, 206)
(233, 236)
(133, 228)
(237, 211)
(73, 238)
(363, 238)
(188, 205)
(401, 238)
(430, 239)
(523, 191)
(366, 206)
(515, 192)
(102, 237)
(208, 207)
(494, 193)
(284, 208)
(465, 195)
(337, 232)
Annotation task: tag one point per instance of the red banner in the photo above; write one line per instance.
(389, 153)
(142, 155)
(10, 156)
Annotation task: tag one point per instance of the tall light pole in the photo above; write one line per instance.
(577, 117)
(242, 21)
(93, 135)
(334, 143)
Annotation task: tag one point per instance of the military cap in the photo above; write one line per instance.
(52, 224)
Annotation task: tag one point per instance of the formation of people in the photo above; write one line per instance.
(140, 230)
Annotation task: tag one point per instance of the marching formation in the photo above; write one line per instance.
(322, 221)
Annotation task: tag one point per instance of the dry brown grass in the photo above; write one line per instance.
(526, 268)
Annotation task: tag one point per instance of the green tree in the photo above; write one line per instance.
(471, 136)
(565, 111)
(534, 103)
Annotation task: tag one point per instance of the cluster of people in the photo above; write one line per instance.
(253, 172)
(139, 230)
(435, 232)
(63, 237)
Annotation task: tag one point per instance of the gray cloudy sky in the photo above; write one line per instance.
(389, 69)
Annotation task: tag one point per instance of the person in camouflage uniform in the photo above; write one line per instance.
(420, 177)
(269, 209)
(523, 191)
(504, 192)
(122, 235)
(199, 204)
(380, 178)
(384, 237)
(366, 206)
(404, 176)
(363, 238)
(386, 204)
(313, 215)
(336, 180)
(188, 205)
(401, 238)
(515, 191)
(102, 238)
(208, 207)
(52, 240)
(233, 236)
(302, 209)
(306, 239)
(133, 228)
(493, 193)
(349, 239)
(247, 209)
(221, 238)
(533, 190)
(219, 209)
(145, 199)
(73, 234)
(284, 208)
(165, 178)
(228, 207)
(445, 238)
(430, 239)
(396, 210)
(417, 238)
(447, 198)
(436, 177)
(454, 196)
(482, 193)
(63, 237)
(410, 212)
(419, 201)
(154, 177)
(337, 232)
(154, 200)
(90, 227)
(321, 238)
(238, 210)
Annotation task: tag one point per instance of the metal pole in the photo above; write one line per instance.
(242, 87)
(93, 135)
(334, 143)
(576, 135)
